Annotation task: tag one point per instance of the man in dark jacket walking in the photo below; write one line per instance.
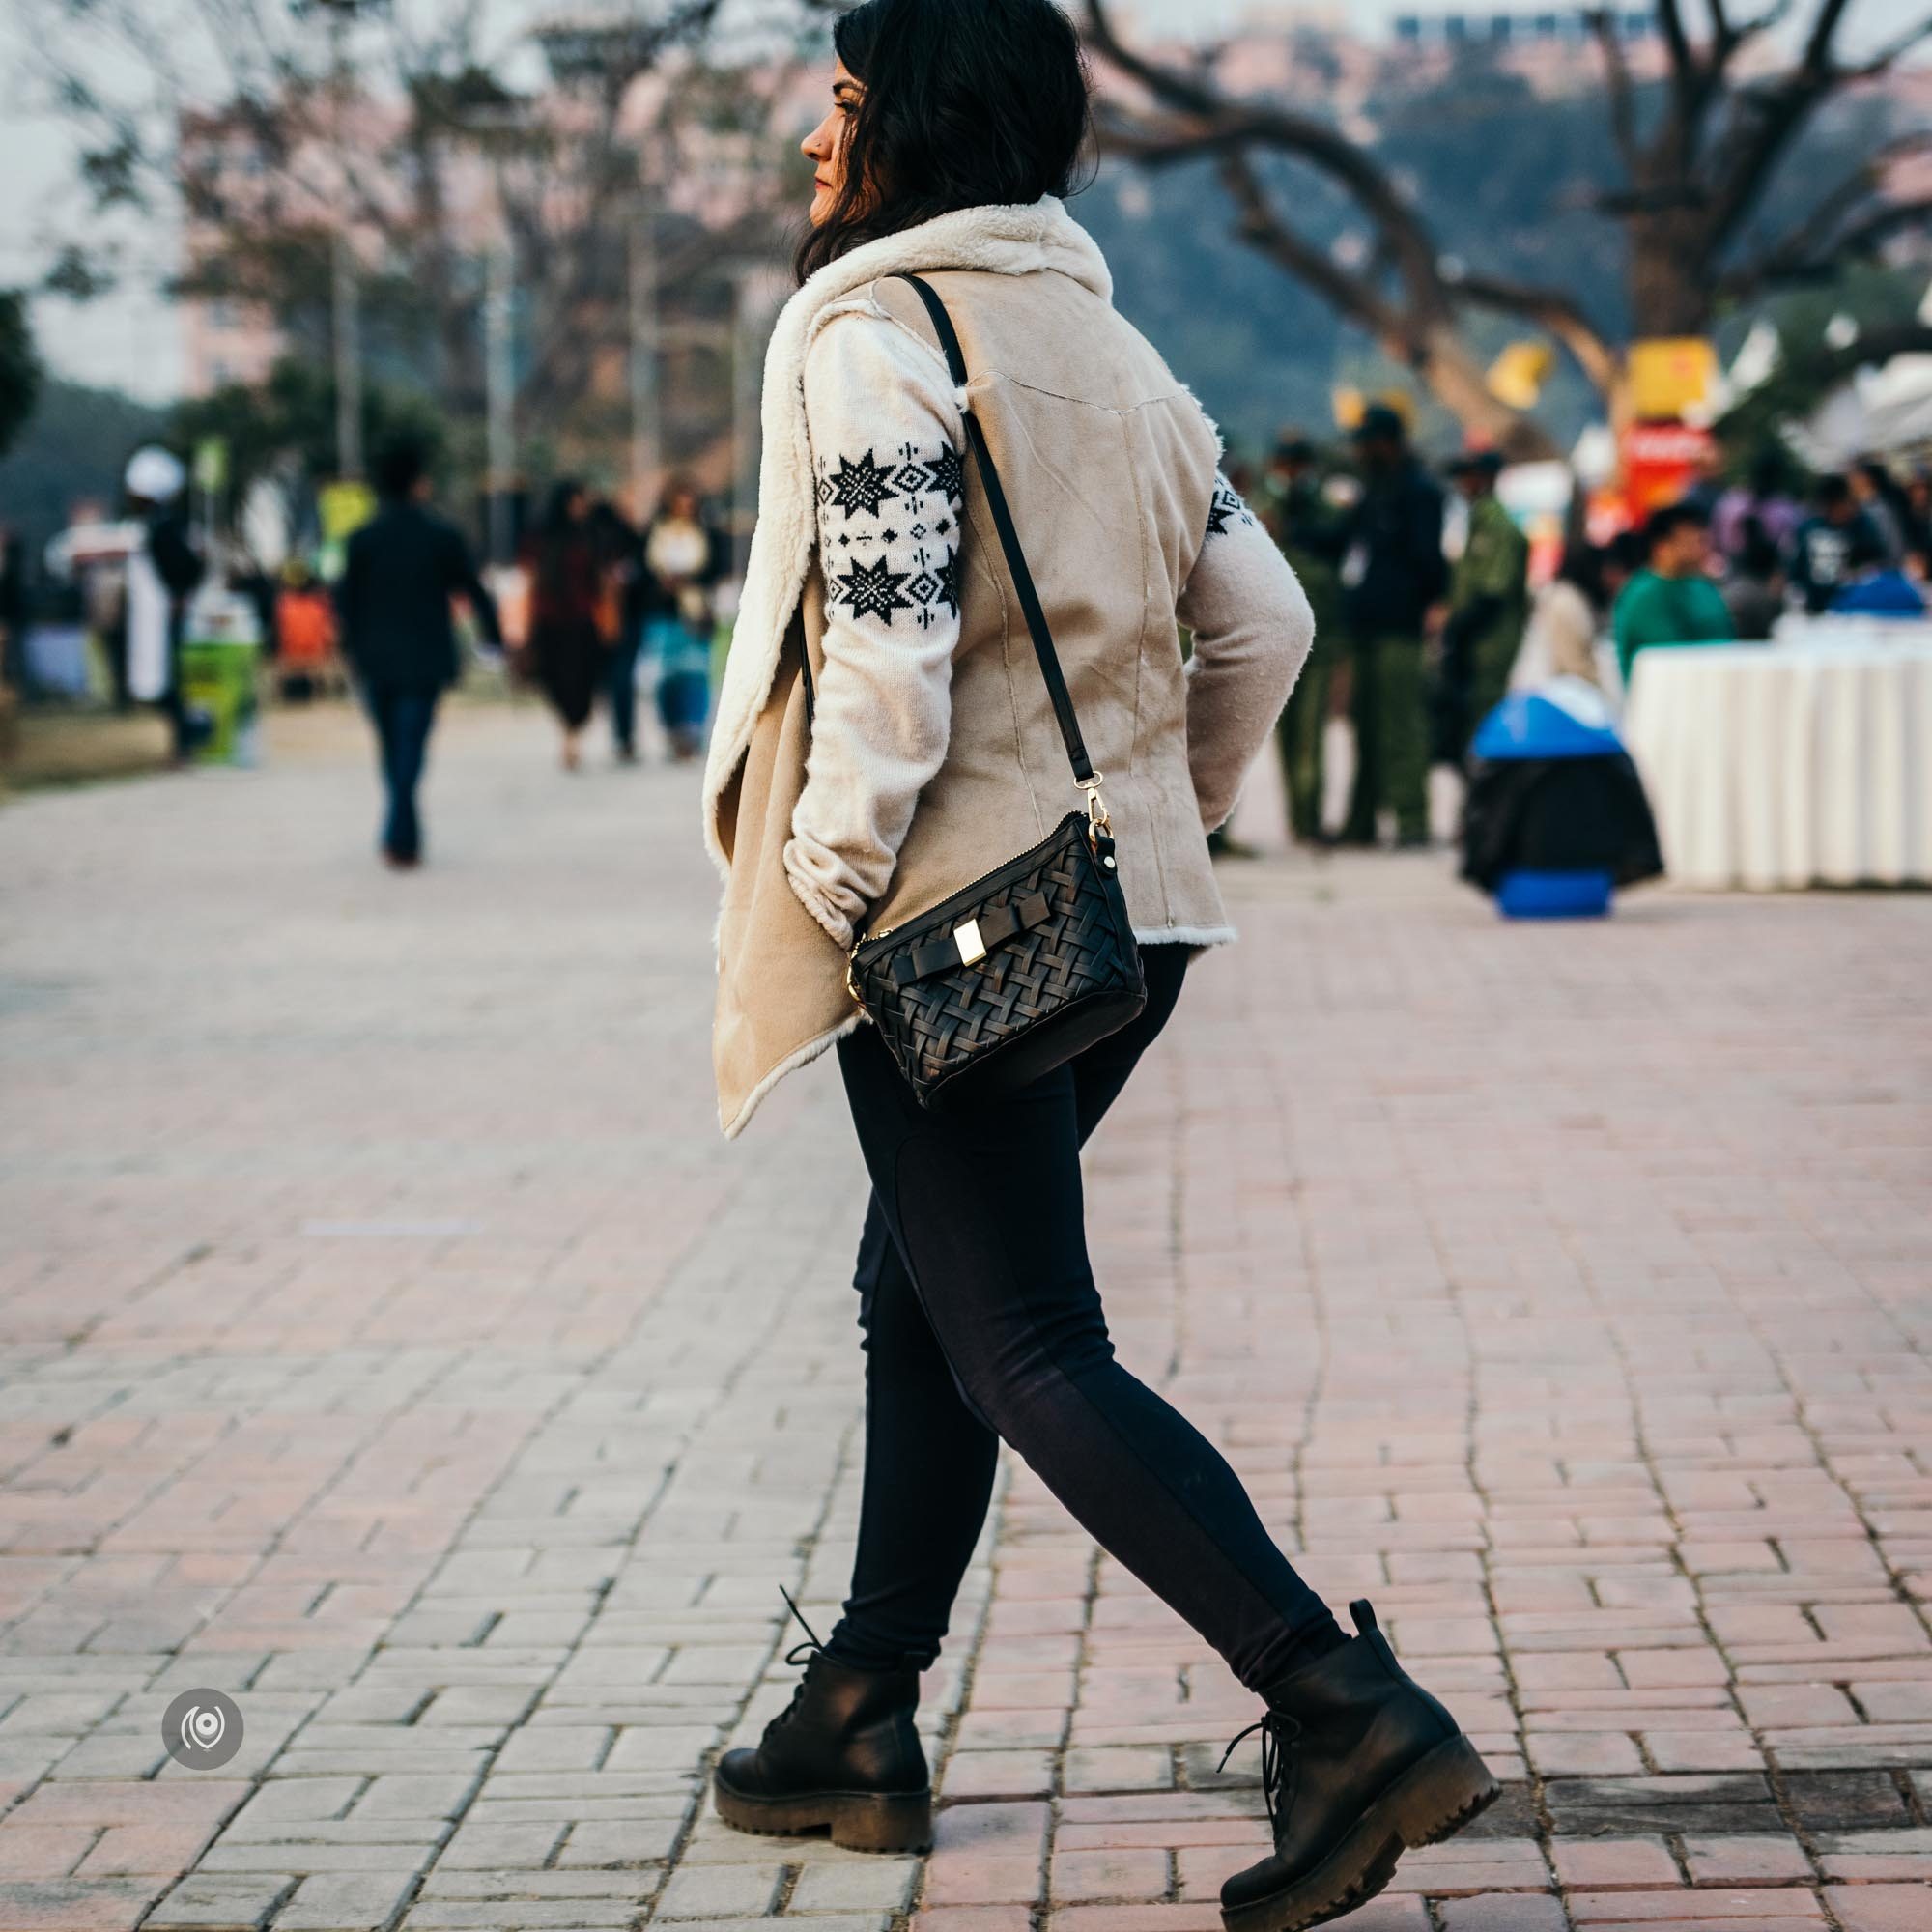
(1393, 575)
(403, 568)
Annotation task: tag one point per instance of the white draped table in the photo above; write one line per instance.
(1790, 765)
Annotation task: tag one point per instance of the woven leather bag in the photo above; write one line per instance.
(1017, 973)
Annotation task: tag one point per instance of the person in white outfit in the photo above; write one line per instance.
(164, 572)
(1566, 620)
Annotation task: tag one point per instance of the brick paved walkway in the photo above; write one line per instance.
(389, 1341)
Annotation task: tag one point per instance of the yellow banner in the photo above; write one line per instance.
(343, 508)
(1670, 374)
(1517, 375)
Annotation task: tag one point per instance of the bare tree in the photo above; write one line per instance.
(266, 138)
(1696, 164)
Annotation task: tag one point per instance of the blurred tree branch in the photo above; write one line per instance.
(1417, 320)
(1696, 158)
(430, 150)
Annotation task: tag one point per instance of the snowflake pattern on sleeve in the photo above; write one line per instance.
(889, 531)
(1226, 508)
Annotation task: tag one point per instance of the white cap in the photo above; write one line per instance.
(154, 475)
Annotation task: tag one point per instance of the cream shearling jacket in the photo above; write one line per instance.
(932, 754)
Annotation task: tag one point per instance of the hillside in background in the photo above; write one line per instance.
(1504, 171)
(75, 445)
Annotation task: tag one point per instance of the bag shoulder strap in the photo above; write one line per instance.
(1083, 772)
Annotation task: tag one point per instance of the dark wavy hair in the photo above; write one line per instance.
(967, 103)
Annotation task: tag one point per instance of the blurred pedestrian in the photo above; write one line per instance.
(1295, 511)
(13, 612)
(1834, 545)
(164, 572)
(567, 603)
(1565, 622)
(1393, 575)
(1888, 592)
(304, 632)
(1488, 602)
(1884, 505)
(1706, 490)
(684, 558)
(1754, 589)
(1672, 600)
(1768, 497)
(392, 608)
(621, 607)
(1919, 522)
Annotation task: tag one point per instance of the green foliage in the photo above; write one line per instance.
(1878, 299)
(20, 372)
(290, 419)
(78, 276)
(73, 448)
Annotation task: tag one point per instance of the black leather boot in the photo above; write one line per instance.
(1358, 1764)
(842, 1756)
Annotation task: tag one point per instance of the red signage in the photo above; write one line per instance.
(1662, 460)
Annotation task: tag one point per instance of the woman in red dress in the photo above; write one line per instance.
(566, 642)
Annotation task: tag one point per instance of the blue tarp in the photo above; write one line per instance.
(1564, 720)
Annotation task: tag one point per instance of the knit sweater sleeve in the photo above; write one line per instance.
(886, 442)
(1253, 627)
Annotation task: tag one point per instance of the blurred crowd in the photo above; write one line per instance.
(1431, 601)
(1428, 611)
(596, 604)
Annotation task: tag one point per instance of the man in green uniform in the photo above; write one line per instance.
(1488, 605)
(1392, 575)
(1307, 527)
(1674, 601)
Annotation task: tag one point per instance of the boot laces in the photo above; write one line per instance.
(1279, 1732)
(799, 1652)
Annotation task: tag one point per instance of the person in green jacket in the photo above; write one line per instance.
(1307, 529)
(1675, 600)
(1488, 603)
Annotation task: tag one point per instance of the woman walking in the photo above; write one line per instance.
(682, 556)
(567, 588)
(1565, 622)
(895, 721)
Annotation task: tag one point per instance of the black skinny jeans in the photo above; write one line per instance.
(981, 1321)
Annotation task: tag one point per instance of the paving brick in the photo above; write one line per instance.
(1755, 1909)
(1136, 1919)
(973, 1919)
(1744, 1860)
(438, 1383)
(1878, 1908)
(720, 1891)
(219, 1902)
(1492, 1913)
(73, 1905)
(855, 1885)
(1114, 1874)
(998, 1773)
(345, 1901)
(1619, 1865)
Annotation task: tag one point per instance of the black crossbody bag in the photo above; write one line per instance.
(1017, 973)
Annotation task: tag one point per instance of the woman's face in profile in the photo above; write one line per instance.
(825, 146)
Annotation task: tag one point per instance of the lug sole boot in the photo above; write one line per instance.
(843, 1758)
(857, 1821)
(1359, 1764)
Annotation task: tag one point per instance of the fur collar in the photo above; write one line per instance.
(1004, 240)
